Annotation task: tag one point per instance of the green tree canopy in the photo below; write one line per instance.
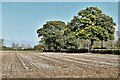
(93, 24)
(52, 35)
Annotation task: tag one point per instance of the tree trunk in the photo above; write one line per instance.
(91, 44)
(76, 47)
(102, 44)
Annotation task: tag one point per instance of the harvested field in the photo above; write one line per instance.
(30, 64)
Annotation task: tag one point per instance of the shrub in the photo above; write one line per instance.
(82, 50)
(48, 50)
(100, 48)
(106, 51)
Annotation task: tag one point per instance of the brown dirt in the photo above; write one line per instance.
(26, 64)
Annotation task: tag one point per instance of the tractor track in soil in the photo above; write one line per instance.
(26, 64)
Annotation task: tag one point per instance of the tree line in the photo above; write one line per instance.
(89, 24)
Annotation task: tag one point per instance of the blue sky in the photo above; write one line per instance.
(0, 19)
(20, 20)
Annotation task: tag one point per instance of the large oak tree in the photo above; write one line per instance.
(52, 35)
(91, 23)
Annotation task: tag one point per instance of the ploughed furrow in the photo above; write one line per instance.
(64, 67)
(1, 55)
(65, 63)
(52, 63)
(28, 69)
(5, 62)
(36, 65)
(36, 62)
(83, 67)
(93, 61)
(12, 65)
(18, 66)
(26, 64)
(60, 63)
(97, 60)
(6, 67)
(82, 61)
(98, 57)
(107, 56)
(15, 66)
(21, 62)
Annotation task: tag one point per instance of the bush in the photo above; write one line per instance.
(71, 50)
(106, 51)
(100, 48)
(82, 50)
(48, 50)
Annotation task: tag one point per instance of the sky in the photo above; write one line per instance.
(119, 18)
(0, 19)
(20, 20)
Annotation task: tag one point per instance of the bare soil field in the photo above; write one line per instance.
(30, 64)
